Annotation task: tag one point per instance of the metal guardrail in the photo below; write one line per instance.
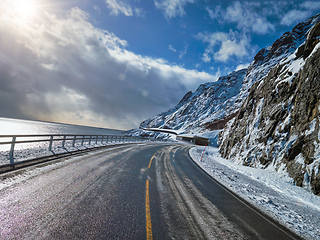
(63, 138)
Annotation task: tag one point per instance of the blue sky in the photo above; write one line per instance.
(115, 63)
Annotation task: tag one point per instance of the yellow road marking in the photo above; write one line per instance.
(151, 160)
(148, 215)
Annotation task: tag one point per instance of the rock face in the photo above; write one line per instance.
(278, 124)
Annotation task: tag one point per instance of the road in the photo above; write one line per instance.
(139, 191)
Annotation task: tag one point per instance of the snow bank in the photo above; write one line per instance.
(272, 192)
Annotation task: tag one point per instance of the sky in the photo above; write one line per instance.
(113, 64)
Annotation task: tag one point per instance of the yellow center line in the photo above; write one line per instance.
(148, 215)
(151, 160)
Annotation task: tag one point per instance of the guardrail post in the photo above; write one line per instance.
(64, 141)
(12, 149)
(50, 144)
(90, 140)
(97, 139)
(74, 141)
(82, 140)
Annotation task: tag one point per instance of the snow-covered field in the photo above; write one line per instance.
(272, 192)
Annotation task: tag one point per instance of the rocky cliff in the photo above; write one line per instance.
(278, 123)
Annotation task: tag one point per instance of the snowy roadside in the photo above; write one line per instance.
(272, 192)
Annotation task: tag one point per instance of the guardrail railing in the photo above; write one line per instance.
(63, 138)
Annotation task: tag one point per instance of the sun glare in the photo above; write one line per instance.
(24, 8)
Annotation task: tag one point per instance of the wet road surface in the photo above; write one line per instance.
(141, 191)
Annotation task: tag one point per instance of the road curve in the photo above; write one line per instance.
(139, 191)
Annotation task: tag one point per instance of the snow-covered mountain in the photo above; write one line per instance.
(199, 110)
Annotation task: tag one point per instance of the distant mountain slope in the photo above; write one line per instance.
(196, 110)
(278, 123)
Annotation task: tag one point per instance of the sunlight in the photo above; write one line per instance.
(24, 8)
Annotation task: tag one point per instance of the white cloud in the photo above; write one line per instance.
(211, 13)
(172, 8)
(245, 15)
(230, 45)
(214, 14)
(242, 66)
(118, 7)
(65, 69)
(140, 12)
(184, 52)
(310, 5)
(247, 19)
(172, 49)
(294, 16)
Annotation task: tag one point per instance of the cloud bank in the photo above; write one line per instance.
(66, 70)
(223, 46)
(172, 8)
(118, 7)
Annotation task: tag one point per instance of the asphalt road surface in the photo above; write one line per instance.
(140, 191)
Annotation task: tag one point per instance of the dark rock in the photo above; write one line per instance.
(300, 51)
(296, 148)
(269, 129)
(315, 183)
(312, 40)
(185, 98)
